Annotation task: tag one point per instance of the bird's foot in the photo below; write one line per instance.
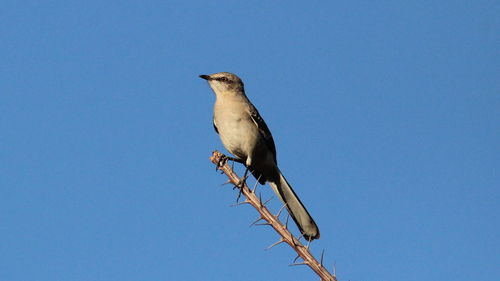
(223, 160)
(241, 183)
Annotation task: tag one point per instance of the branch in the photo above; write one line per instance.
(303, 252)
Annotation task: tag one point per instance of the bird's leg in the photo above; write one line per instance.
(241, 183)
(244, 178)
(235, 160)
(223, 159)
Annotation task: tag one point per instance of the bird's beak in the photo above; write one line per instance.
(206, 77)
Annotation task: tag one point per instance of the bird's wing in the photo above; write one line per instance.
(263, 129)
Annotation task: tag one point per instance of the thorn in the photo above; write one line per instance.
(264, 223)
(260, 200)
(335, 269)
(279, 242)
(227, 182)
(239, 203)
(302, 235)
(256, 183)
(279, 212)
(321, 260)
(296, 258)
(255, 186)
(264, 204)
(286, 222)
(295, 264)
(253, 223)
(308, 243)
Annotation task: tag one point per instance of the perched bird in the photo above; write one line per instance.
(245, 135)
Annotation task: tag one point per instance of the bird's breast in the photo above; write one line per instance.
(236, 129)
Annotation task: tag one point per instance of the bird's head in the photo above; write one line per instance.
(224, 82)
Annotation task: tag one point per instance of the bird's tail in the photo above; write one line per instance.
(299, 213)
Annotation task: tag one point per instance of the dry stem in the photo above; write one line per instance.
(286, 236)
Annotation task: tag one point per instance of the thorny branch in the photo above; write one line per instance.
(303, 252)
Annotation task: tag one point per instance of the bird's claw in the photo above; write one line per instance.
(241, 183)
(221, 162)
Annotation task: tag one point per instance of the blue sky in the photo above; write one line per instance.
(385, 116)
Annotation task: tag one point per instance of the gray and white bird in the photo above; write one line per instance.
(245, 135)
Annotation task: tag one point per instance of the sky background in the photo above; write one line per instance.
(385, 116)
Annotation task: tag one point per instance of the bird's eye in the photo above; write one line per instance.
(223, 79)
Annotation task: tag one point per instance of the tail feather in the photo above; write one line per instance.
(299, 213)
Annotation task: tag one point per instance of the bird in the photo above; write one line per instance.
(246, 136)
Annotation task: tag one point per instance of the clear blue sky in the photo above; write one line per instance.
(385, 116)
